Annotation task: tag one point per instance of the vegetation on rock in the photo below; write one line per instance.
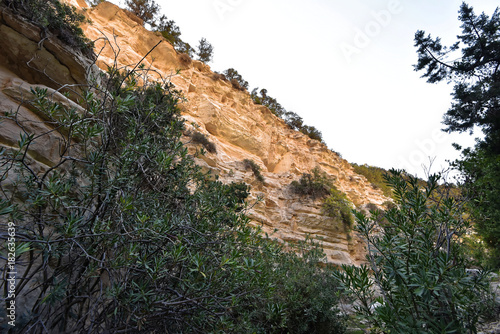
(318, 185)
(124, 233)
(205, 51)
(55, 18)
(146, 10)
(291, 119)
(200, 138)
(375, 175)
(250, 164)
(236, 79)
(315, 185)
(338, 206)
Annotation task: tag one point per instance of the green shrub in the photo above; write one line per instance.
(312, 132)
(315, 185)
(168, 29)
(371, 207)
(146, 10)
(291, 119)
(388, 205)
(200, 138)
(58, 18)
(303, 293)
(205, 51)
(338, 206)
(218, 76)
(375, 175)
(250, 164)
(186, 48)
(94, 3)
(337, 153)
(236, 79)
(416, 262)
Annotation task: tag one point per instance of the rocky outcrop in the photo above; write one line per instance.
(228, 117)
(30, 62)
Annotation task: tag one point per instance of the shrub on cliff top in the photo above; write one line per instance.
(236, 79)
(169, 30)
(146, 10)
(375, 175)
(205, 51)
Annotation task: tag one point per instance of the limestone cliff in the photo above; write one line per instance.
(239, 128)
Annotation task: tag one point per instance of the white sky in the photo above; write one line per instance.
(366, 100)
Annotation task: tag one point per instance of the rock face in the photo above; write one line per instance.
(27, 64)
(228, 117)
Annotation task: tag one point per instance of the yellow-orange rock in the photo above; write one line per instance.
(239, 128)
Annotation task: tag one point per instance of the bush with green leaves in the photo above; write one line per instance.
(303, 296)
(169, 30)
(471, 63)
(375, 175)
(417, 265)
(250, 164)
(236, 79)
(54, 17)
(315, 185)
(338, 206)
(146, 10)
(480, 181)
(205, 51)
(291, 119)
(94, 3)
(200, 138)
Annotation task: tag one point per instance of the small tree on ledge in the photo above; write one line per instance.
(205, 51)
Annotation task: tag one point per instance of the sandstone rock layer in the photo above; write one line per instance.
(228, 117)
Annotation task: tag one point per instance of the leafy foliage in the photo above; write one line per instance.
(236, 79)
(375, 175)
(482, 186)
(200, 138)
(311, 132)
(172, 33)
(146, 10)
(261, 97)
(315, 185)
(416, 262)
(124, 233)
(302, 293)
(55, 17)
(338, 206)
(318, 185)
(205, 51)
(477, 81)
(250, 164)
(169, 30)
(94, 3)
(476, 103)
(291, 119)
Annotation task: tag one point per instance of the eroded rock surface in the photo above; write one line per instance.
(228, 117)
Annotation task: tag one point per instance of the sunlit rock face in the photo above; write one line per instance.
(228, 117)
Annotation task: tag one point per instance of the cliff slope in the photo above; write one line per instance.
(228, 117)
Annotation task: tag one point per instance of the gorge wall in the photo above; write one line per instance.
(228, 117)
